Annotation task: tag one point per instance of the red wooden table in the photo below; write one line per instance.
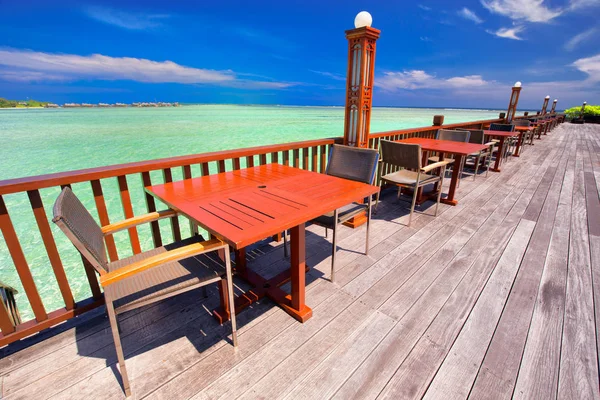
(459, 149)
(521, 130)
(501, 135)
(245, 206)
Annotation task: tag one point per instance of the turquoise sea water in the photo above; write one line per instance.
(42, 141)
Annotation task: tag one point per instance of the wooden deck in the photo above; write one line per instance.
(497, 297)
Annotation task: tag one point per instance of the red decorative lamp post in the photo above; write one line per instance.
(545, 106)
(554, 106)
(359, 80)
(514, 100)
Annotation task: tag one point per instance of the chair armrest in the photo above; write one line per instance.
(137, 220)
(434, 166)
(159, 259)
(490, 143)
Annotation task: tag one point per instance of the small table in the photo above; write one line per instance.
(459, 149)
(501, 135)
(244, 206)
(521, 130)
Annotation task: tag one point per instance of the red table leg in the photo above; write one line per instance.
(454, 181)
(499, 153)
(519, 143)
(293, 304)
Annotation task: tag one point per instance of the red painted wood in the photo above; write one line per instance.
(459, 149)
(245, 206)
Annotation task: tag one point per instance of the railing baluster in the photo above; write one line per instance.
(221, 166)
(296, 160)
(286, 158)
(262, 159)
(187, 172)
(323, 159)
(104, 219)
(250, 161)
(128, 211)
(151, 207)
(44, 227)
(315, 158)
(90, 273)
(205, 170)
(16, 252)
(236, 164)
(168, 177)
(275, 157)
(305, 163)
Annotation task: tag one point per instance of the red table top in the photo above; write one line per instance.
(524, 128)
(446, 146)
(500, 133)
(245, 206)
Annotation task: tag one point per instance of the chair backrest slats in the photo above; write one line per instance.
(502, 127)
(353, 163)
(404, 155)
(75, 221)
(455, 136)
(522, 122)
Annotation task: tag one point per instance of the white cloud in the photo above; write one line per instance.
(39, 66)
(331, 75)
(591, 66)
(577, 39)
(418, 79)
(523, 10)
(126, 20)
(423, 7)
(581, 4)
(470, 15)
(508, 33)
(425, 39)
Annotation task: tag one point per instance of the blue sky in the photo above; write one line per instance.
(431, 53)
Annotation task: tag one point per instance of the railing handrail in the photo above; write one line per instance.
(17, 185)
(431, 127)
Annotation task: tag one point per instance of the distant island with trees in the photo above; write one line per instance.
(4, 103)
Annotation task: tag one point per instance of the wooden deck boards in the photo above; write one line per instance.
(497, 297)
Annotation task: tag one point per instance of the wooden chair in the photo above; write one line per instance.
(358, 165)
(459, 135)
(478, 137)
(412, 174)
(510, 142)
(527, 137)
(147, 277)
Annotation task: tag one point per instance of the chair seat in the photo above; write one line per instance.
(409, 178)
(162, 280)
(344, 213)
(434, 159)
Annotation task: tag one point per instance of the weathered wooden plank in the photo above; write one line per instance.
(538, 374)
(498, 373)
(457, 373)
(578, 376)
(328, 376)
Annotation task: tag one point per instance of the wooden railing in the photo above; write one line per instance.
(100, 188)
(99, 185)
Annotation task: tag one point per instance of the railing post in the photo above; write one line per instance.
(512, 104)
(359, 87)
(438, 120)
(545, 105)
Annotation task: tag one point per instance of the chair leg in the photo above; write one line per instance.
(477, 166)
(112, 318)
(489, 160)
(204, 292)
(326, 232)
(414, 201)
(334, 245)
(230, 297)
(285, 247)
(377, 199)
(368, 226)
